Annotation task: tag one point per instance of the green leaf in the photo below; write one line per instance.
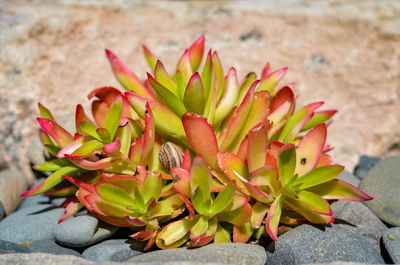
(200, 177)
(228, 100)
(221, 235)
(45, 113)
(124, 135)
(174, 234)
(194, 96)
(113, 117)
(171, 100)
(318, 118)
(199, 229)
(206, 74)
(53, 180)
(114, 194)
(151, 187)
(274, 215)
(88, 148)
(287, 164)
(250, 78)
(164, 79)
(223, 199)
(90, 129)
(317, 176)
(52, 165)
(341, 190)
(315, 202)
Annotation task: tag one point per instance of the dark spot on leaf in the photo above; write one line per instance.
(303, 161)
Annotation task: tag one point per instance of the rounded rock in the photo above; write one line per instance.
(391, 240)
(111, 250)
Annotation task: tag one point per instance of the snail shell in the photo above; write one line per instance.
(170, 155)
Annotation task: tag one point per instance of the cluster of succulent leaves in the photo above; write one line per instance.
(241, 162)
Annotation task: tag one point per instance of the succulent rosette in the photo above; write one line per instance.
(195, 156)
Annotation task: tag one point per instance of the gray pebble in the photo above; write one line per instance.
(391, 240)
(383, 183)
(82, 231)
(111, 250)
(51, 247)
(9, 247)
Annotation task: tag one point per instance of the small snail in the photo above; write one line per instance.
(170, 155)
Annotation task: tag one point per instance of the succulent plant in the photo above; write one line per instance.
(195, 156)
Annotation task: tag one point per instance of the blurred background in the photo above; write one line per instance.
(345, 53)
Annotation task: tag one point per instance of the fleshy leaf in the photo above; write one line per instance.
(338, 189)
(317, 176)
(201, 137)
(148, 136)
(165, 121)
(59, 134)
(245, 86)
(318, 118)
(270, 82)
(184, 66)
(72, 208)
(174, 234)
(228, 100)
(150, 58)
(272, 220)
(287, 163)
(223, 199)
(127, 79)
(151, 187)
(52, 165)
(237, 217)
(242, 234)
(257, 147)
(113, 117)
(52, 180)
(315, 202)
(199, 229)
(45, 113)
(258, 213)
(232, 165)
(196, 52)
(114, 194)
(221, 235)
(200, 177)
(310, 149)
(194, 95)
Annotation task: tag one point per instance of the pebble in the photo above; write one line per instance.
(365, 164)
(363, 222)
(30, 224)
(13, 182)
(341, 245)
(382, 183)
(295, 246)
(49, 246)
(82, 231)
(2, 211)
(9, 247)
(111, 250)
(349, 178)
(36, 152)
(230, 253)
(391, 241)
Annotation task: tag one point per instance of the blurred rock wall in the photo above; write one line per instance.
(346, 53)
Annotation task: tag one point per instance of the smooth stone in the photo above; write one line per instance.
(51, 247)
(294, 247)
(383, 183)
(230, 253)
(9, 247)
(82, 231)
(13, 182)
(57, 201)
(2, 211)
(111, 250)
(51, 259)
(349, 178)
(391, 240)
(30, 224)
(341, 245)
(363, 222)
(365, 164)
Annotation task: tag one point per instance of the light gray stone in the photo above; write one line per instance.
(9, 247)
(51, 247)
(36, 152)
(230, 253)
(82, 231)
(341, 245)
(391, 240)
(383, 183)
(349, 178)
(30, 224)
(296, 245)
(363, 222)
(111, 250)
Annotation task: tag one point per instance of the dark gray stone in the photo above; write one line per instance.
(382, 183)
(296, 244)
(82, 231)
(349, 178)
(231, 253)
(363, 222)
(111, 250)
(365, 164)
(2, 211)
(30, 224)
(51, 247)
(391, 240)
(341, 245)
(9, 247)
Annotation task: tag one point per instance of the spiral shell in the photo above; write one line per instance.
(170, 155)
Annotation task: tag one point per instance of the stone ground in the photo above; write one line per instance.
(346, 53)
